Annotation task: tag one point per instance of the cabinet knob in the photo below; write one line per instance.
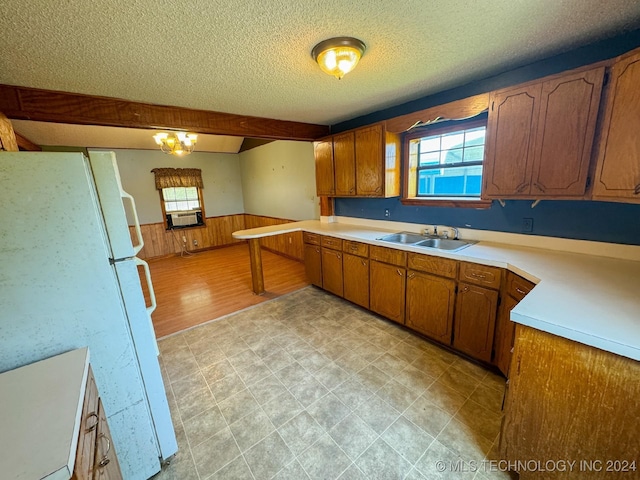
(364, 262)
(399, 272)
(465, 289)
(339, 256)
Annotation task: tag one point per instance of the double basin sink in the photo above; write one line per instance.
(417, 240)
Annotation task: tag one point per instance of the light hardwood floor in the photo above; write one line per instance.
(194, 289)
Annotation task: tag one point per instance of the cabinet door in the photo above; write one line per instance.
(566, 126)
(511, 129)
(387, 290)
(106, 461)
(475, 321)
(344, 159)
(370, 173)
(505, 331)
(430, 305)
(356, 279)
(323, 151)
(313, 264)
(618, 167)
(332, 271)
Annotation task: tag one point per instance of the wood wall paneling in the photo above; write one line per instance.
(63, 107)
(287, 244)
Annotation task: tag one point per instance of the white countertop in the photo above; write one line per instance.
(594, 300)
(40, 410)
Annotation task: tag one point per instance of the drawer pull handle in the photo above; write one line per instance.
(105, 460)
(92, 427)
(339, 256)
(637, 190)
(399, 272)
(354, 247)
(478, 275)
(317, 250)
(521, 292)
(364, 262)
(411, 275)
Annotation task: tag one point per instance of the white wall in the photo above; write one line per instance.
(279, 180)
(222, 190)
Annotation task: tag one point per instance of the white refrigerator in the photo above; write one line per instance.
(69, 278)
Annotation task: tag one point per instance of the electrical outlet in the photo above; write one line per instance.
(184, 239)
(386, 213)
(195, 242)
(527, 225)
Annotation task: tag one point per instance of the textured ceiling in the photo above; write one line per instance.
(253, 57)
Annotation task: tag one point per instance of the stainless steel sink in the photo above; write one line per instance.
(417, 240)
(444, 244)
(405, 238)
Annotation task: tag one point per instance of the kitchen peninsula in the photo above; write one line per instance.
(581, 318)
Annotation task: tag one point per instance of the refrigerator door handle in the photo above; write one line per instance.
(136, 222)
(147, 275)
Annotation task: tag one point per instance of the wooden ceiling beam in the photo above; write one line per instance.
(24, 103)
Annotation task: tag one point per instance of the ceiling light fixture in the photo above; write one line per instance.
(338, 56)
(179, 143)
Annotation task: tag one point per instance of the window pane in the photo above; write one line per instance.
(431, 158)
(430, 144)
(169, 193)
(451, 156)
(170, 206)
(452, 140)
(475, 136)
(194, 204)
(456, 181)
(473, 154)
(192, 193)
(181, 193)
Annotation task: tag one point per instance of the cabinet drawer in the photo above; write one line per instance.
(356, 248)
(331, 242)
(480, 274)
(311, 238)
(389, 255)
(517, 286)
(444, 267)
(85, 453)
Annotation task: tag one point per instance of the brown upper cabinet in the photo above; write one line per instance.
(364, 162)
(325, 183)
(618, 161)
(540, 136)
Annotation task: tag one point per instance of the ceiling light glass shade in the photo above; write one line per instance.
(179, 144)
(338, 56)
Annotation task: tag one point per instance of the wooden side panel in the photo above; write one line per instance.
(505, 332)
(369, 161)
(568, 113)
(332, 280)
(511, 130)
(573, 402)
(313, 264)
(344, 158)
(618, 167)
(158, 241)
(287, 244)
(323, 152)
(356, 279)
(475, 321)
(430, 305)
(387, 288)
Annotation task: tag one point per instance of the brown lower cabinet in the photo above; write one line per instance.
(475, 320)
(387, 287)
(332, 271)
(313, 264)
(356, 279)
(430, 305)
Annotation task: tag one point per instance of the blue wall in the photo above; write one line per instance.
(600, 221)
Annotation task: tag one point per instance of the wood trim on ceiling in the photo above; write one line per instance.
(24, 103)
(26, 144)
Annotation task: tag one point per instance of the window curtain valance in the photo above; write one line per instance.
(177, 177)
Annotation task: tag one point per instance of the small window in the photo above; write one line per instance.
(182, 207)
(445, 163)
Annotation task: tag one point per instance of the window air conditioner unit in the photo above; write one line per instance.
(184, 219)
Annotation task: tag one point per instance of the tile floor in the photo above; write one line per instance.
(310, 386)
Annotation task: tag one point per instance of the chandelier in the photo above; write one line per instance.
(338, 56)
(179, 143)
